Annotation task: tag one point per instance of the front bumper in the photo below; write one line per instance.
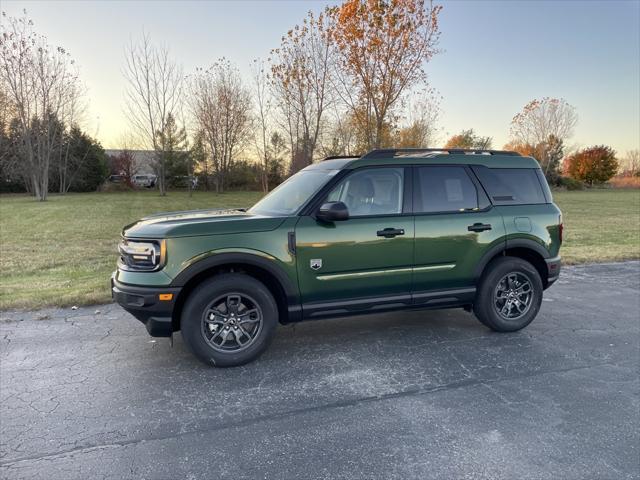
(553, 267)
(144, 303)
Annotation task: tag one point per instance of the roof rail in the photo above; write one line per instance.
(335, 157)
(395, 152)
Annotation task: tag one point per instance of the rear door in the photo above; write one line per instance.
(366, 261)
(455, 226)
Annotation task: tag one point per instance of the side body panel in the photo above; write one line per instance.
(355, 262)
(534, 223)
(447, 253)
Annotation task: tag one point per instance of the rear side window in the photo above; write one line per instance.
(444, 189)
(511, 186)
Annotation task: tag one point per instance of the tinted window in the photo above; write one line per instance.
(545, 185)
(289, 196)
(372, 191)
(444, 189)
(511, 186)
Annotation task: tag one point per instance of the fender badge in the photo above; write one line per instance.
(316, 263)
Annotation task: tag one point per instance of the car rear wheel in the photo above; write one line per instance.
(509, 296)
(229, 320)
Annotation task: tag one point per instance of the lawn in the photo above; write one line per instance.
(600, 225)
(62, 252)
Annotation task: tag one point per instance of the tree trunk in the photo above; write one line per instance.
(44, 181)
(265, 175)
(379, 128)
(162, 177)
(36, 186)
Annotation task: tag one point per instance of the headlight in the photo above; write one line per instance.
(142, 256)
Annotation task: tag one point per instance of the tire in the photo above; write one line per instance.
(502, 303)
(212, 320)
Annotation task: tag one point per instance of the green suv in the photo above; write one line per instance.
(393, 229)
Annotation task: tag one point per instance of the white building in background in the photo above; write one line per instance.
(143, 160)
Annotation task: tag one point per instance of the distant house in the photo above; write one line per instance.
(143, 160)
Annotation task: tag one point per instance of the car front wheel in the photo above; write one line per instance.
(229, 320)
(509, 295)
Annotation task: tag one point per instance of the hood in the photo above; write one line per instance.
(200, 222)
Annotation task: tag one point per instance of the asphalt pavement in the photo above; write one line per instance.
(87, 394)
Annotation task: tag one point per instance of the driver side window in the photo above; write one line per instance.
(371, 191)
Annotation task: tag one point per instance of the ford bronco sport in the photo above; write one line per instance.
(393, 229)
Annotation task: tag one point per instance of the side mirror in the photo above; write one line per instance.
(333, 212)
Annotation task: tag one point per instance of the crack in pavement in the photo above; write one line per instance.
(469, 382)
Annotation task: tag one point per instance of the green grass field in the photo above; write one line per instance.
(63, 251)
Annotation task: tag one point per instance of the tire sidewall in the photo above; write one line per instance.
(484, 307)
(200, 298)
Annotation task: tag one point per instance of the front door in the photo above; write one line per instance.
(455, 226)
(362, 263)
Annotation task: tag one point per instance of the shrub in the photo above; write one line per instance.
(9, 184)
(81, 164)
(122, 164)
(592, 165)
(276, 174)
(91, 173)
(625, 182)
(243, 176)
(115, 187)
(570, 183)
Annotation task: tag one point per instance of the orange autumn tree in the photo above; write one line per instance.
(524, 149)
(382, 46)
(548, 153)
(468, 139)
(592, 165)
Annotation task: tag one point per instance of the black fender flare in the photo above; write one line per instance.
(509, 243)
(263, 261)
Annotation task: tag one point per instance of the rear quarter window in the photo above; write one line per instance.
(512, 186)
(444, 189)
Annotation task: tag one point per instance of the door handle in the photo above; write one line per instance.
(390, 232)
(479, 227)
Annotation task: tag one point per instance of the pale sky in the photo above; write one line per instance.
(497, 55)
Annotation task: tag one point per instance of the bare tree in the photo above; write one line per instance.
(338, 137)
(154, 93)
(262, 133)
(124, 164)
(300, 73)
(539, 119)
(382, 48)
(41, 82)
(200, 156)
(6, 114)
(221, 107)
(631, 163)
(548, 121)
(420, 127)
(71, 116)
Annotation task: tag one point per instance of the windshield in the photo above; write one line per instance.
(290, 196)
